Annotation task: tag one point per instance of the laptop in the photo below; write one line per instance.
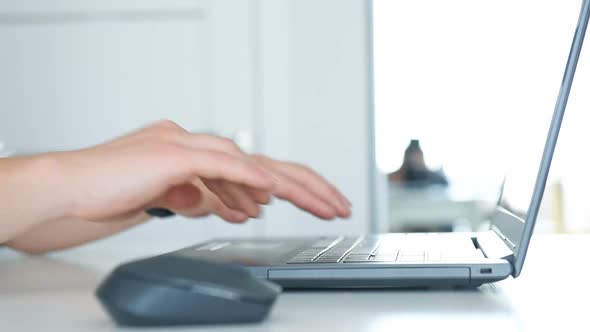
(405, 260)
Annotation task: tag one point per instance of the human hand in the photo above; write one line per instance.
(191, 174)
(305, 188)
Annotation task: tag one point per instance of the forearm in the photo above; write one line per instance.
(70, 232)
(29, 194)
(34, 208)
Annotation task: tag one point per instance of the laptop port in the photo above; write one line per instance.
(486, 270)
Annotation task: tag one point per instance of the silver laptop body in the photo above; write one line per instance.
(404, 260)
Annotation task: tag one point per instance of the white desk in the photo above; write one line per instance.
(42, 294)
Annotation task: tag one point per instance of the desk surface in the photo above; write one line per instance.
(56, 293)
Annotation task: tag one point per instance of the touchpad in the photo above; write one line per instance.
(247, 252)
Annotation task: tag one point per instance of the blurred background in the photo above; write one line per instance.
(464, 93)
(422, 112)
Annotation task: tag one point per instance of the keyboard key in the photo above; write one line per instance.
(343, 246)
(362, 251)
(365, 247)
(411, 259)
(356, 259)
(383, 258)
(387, 251)
(412, 252)
(326, 260)
(331, 255)
(303, 257)
(308, 259)
(434, 256)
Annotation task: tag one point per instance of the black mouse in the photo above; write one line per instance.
(171, 290)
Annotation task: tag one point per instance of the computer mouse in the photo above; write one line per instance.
(171, 290)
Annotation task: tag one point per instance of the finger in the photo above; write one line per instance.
(291, 190)
(216, 208)
(245, 201)
(215, 187)
(211, 204)
(311, 181)
(214, 205)
(223, 166)
(235, 197)
(316, 184)
(214, 143)
(303, 199)
(260, 196)
(226, 213)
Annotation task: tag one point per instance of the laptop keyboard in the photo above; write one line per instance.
(403, 248)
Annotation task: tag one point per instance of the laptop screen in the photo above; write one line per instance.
(528, 126)
(520, 174)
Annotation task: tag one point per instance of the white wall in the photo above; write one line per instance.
(315, 98)
(75, 76)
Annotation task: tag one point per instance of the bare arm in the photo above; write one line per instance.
(47, 200)
(28, 195)
(31, 217)
(69, 232)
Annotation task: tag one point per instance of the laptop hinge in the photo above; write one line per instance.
(493, 246)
